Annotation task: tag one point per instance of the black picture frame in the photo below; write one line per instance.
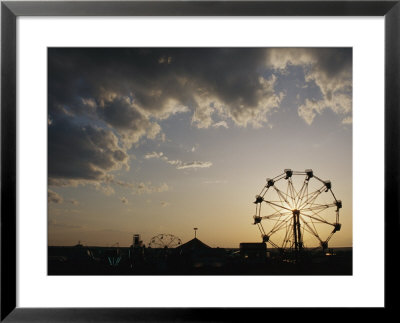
(10, 10)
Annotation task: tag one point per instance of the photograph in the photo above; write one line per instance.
(245, 148)
(199, 161)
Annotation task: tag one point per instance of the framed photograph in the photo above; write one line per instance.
(155, 149)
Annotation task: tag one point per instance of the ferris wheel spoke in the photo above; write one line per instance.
(282, 199)
(288, 191)
(273, 207)
(280, 206)
(281, 195)
(317, 219)
(280, 221)
(274, 215)
(302, 190)
(318, 207)
(273, 244)
(277, 202)
(312, 197)
(321, 217)
(319, 204)
(295, 193)
(302, 193)
(292, 191)
(313, 224)
(311, 230)
(317, 213)
(277, 227)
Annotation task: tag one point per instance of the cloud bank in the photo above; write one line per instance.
(103, 101)
(331, 71)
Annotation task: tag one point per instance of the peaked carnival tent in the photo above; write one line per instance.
(193, 245)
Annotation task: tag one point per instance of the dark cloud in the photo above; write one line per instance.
(333, 61)
(134, 85)
(82, 152)
(191, 78)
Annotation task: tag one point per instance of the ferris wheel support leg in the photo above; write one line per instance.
(296, 231)
(299, 233)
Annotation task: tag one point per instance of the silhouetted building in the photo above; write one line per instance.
(201, 255)
(193, 245)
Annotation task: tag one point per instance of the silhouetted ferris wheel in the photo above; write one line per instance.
(297, 209)
(165, 241)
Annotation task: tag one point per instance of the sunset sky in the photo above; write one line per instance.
(162, 140)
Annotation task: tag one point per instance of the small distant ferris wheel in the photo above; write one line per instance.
(296, 208)
(165, 241)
